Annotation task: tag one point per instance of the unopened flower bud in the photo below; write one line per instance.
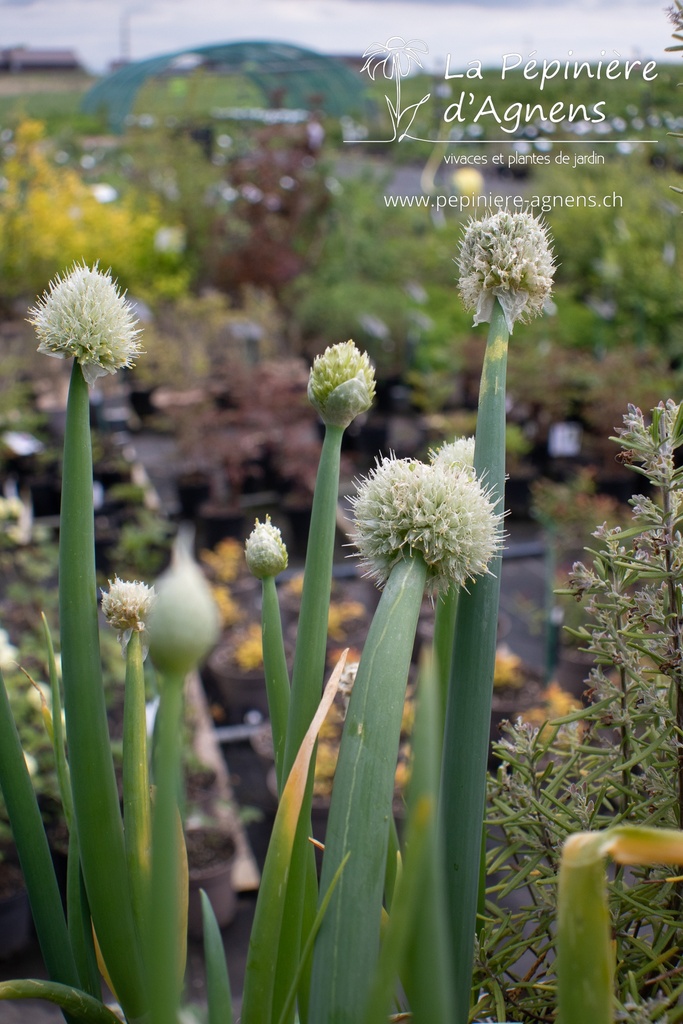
(265, 551)
(184, 623)
(406, 506)
(342, 384)
(506, 256)
(85, 316)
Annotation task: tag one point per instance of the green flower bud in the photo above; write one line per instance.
(341, 384)
(406, 506)
(184, 623)
(508, 257)
(85, 316)
(265, 551)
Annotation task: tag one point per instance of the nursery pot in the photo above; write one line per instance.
(15, 910)
(211, 855)
(15, 924)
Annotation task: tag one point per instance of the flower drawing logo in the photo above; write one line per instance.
(396, 58)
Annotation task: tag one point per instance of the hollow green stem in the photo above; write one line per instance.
(165, 907)
(137, 817)
(468, 713)
(444, 631)
(347, 947)
(96, 801)
(311, 641)
(585, 956)
(307, 677)
(276, 673)
(426, 972)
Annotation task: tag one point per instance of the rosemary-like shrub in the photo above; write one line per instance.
(619, 759)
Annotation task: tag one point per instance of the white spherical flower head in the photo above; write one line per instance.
(84, 315)
(406, 506)
(265, 551)
(342, 384)
(126, 606)
(508, 257)
(455, 455)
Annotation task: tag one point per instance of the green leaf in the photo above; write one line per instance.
(259, 981)
(310, 939)
(218, 994)
(348, 943)
(33, 849)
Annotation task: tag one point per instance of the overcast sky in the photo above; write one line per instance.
(96, 29)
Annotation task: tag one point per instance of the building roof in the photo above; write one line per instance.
(22, 58)
(301, 78)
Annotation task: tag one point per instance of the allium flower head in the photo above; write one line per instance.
(126, 606)
(455, 455)
(508, 257)
(341, 384)
(84, 315)
(405, 506)
(265, 551)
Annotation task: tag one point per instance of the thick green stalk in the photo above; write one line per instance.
(585, 968)
(34, 852)
(415, 945)
(277, 676)
(585, 953)
(166, 913)
(468, 713)
(311, 640)
(96, 801)
(444, 631)
(348, 944)
(307, 677)
(137, 816)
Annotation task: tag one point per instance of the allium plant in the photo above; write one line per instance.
(85, 316)
(391, 923)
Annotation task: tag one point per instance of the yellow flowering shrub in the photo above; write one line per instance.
(226, 561)
(508, 670)
(228, 608)
(342, 613)
(249, 651)
(50, 218)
